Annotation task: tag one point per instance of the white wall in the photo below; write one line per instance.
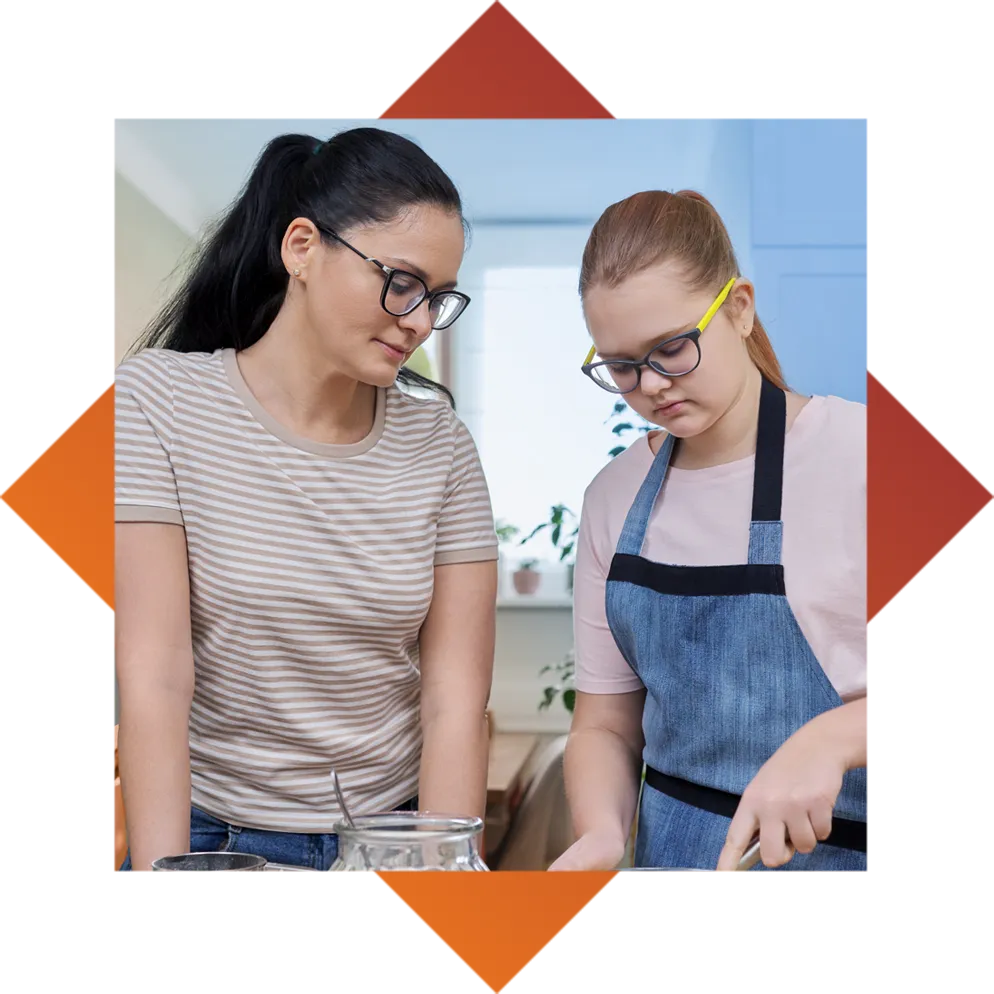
(527, 640)
(148, 247)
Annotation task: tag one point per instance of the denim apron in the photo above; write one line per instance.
(729, 676)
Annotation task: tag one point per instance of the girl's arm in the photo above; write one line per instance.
(602, 766)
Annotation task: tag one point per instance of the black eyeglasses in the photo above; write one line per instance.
(403, 291)
(674, 356)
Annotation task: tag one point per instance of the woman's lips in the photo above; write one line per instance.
(668, 410)
(390, 350)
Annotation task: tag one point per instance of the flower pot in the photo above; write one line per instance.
(526, 581)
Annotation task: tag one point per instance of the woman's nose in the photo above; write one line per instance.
(418, 322)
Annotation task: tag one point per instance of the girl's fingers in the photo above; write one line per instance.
(801, 832)
(741, 832)
(773, 845)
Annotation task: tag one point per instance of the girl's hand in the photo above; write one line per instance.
(593, 851)
(790, 800)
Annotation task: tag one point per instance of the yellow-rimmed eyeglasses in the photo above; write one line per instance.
(673, 356)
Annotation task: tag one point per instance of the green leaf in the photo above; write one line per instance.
(624, 426)
(619, 407)
(537, 529)
(556, 532)
(567, 549)
(569, 699)
(549, 695)
(616, 451)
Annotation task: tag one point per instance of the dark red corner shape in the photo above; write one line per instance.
(930, 500)
(584, 58)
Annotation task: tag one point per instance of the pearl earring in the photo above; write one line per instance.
(296, 272)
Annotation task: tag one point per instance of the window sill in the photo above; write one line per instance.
(534, 601)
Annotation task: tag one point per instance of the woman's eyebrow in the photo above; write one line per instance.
(418, 271)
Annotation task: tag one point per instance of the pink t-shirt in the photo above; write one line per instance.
(702, 519)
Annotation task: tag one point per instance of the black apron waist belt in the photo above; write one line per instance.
(846, 834)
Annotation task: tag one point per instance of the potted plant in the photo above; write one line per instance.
(624, 427)
(526, 578)
(506, 533)
(565, 527)
(563, 685)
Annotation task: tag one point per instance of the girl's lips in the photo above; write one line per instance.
(668, 410)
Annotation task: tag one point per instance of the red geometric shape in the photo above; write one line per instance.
(930, 502)
(580, 58)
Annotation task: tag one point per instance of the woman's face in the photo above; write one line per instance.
(342, 299)
(628, 320)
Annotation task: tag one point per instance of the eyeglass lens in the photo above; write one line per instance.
(676, 358)
(405, 292)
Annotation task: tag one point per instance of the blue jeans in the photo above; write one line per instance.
(312, 850)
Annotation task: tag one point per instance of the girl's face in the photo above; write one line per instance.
(654, 305)
(341, 305)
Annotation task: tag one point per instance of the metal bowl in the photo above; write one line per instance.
(211, 861)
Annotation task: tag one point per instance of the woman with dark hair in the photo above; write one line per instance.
(305, 550)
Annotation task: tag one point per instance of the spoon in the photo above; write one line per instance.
(750, 857)
(340, 797)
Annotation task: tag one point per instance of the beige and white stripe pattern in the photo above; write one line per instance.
(311, 571)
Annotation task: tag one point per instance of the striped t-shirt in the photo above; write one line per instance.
(311, 572)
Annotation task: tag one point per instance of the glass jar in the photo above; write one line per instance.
(410, 840)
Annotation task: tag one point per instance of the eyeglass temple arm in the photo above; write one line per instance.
(365, 258)
(718, 301)
(705, 321)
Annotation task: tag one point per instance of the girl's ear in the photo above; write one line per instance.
(741, 304)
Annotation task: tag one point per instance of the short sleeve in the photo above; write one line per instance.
(600, 666)
(465, 523)
(144, 481)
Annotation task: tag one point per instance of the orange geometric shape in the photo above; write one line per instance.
(56, 500)
(705, 932)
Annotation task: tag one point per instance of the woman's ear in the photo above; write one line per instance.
(300, 240)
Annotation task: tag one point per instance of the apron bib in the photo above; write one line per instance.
(729, 675)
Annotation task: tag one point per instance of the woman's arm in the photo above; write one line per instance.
(457, 662)
(791, 798)
(602, 766)
(154, 659)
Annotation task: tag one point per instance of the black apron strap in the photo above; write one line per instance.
(846, 834)
(767, 485)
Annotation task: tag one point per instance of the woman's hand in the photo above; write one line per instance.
(593, 851)
(791, 798)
